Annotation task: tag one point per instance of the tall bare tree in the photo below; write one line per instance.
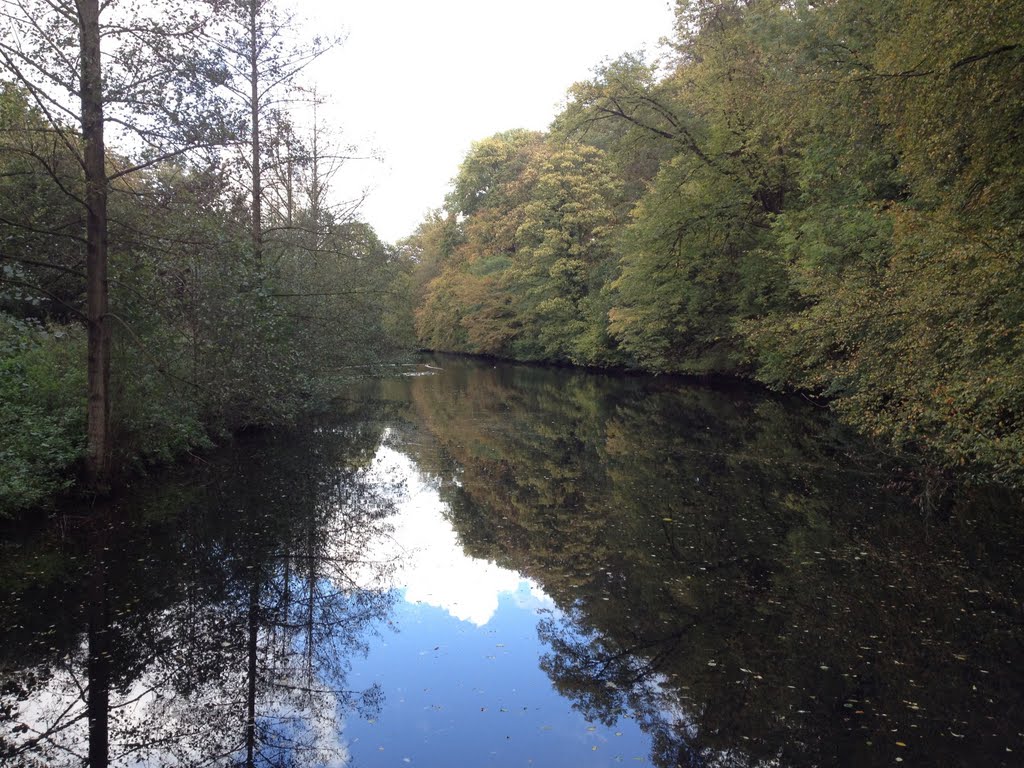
(256, 40)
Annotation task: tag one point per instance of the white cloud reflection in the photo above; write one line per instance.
(431, 565)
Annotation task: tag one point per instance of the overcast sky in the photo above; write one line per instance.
(420, 81)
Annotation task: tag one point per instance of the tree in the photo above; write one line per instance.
(467, 307)
(263, 67)
(92, 65)
(565, 255)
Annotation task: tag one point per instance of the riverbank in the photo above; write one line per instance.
(160, 421)
(941, 470)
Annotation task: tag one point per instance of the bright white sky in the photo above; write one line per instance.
(419, 81)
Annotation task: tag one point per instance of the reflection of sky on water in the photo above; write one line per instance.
(431, 567)
(458, 662)
(455, 661)
(153, 727)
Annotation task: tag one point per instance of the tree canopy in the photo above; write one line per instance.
(821, 196)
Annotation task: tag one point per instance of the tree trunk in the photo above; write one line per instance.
(98, 692)
(251, 650)
(254, 104)
(98, 430)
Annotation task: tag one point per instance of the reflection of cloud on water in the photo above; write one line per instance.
(299, 737)
(151, 725)
(432, 567)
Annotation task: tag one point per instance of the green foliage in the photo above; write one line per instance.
(205, 339)
(563, 246)
(634, 148)
(525, 275)
(824, 196)
(42, 227)
(343, 300)
(904, 246)
(42, 411)
(491, 173)
(157, 418)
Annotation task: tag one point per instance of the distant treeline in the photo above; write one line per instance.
(826, 196)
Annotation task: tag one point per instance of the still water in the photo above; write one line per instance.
(480, 565)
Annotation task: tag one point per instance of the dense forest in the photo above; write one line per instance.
(173, 263)
(822, 196)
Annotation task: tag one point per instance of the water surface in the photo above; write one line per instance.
(497, 565)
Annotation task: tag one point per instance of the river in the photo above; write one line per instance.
(479, 564)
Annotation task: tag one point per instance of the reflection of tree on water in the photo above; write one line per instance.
(216, 628)
(734, 573)
(608, 682)
(322, 603)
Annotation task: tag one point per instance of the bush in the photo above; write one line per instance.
(42, 411)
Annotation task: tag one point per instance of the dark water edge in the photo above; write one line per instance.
(682, 574)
